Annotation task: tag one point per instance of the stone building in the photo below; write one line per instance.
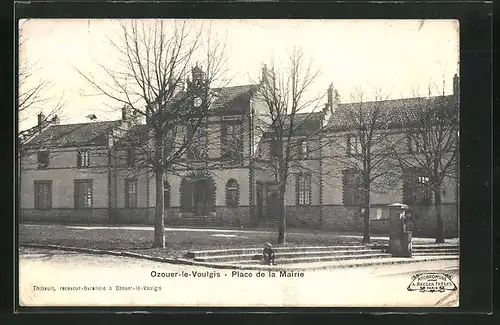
(87, 173)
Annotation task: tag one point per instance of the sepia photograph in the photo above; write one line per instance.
(238, 163)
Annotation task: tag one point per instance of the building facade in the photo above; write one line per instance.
(85, 173)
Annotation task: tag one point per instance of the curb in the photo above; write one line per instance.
(180, 261)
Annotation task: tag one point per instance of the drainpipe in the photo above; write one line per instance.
(251, 156)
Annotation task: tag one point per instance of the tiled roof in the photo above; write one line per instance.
(303, 123)
(138, 134)
(389, 108)
(306, 122)
(232, 100)
(66, 135)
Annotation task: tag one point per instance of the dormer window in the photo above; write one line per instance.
(353, 145)
(232, 142)
(197, 102)
(130, 157)
(413, 146)
(304, 149)
(83, 159)
(275, 148)
(43, 159)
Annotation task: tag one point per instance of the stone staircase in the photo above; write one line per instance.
(435, 249)
(288, 255)
(303, 255)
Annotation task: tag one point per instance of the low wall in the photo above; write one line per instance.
(303, 217)
(341, 218)
(94, 216)
(235, 217)
(424, 218)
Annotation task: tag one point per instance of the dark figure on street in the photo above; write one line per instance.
(268, 255)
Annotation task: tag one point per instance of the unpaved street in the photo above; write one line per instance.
(55, 278)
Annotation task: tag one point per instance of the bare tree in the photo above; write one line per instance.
(431, 129)
(361, 140)
(155, 61)
(290, 106)
(33, 90)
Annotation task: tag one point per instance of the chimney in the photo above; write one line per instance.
(456, 85)
(330, 95)
(124, 113)
(326, 109)
(264, 74)
(55, 119)
(41, 119)
(148, 115)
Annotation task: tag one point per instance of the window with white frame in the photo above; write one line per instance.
(83, 159)
(83, 193)
(416, 187)
(303, 189)
(131, 193)
(232, 193)
(166, 194)
(130, 156)
(352, 192)
(43, 194)
(353, 145)
(43, 159)
(232, 140)
(413, 145)
(303, 149)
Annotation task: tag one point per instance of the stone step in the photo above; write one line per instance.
(434, 253)
(427, 250)
(428, 246)
(367, 263)
(278, 250)
(317, 259)
(286, 255)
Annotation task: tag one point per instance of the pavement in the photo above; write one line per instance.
(66, 278)
(227, 232)
(91, 234)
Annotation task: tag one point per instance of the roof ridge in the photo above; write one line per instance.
(82, 123)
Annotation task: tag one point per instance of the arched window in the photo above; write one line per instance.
(232, 193)
(166, 194)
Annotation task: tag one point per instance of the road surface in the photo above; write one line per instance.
(58, 278)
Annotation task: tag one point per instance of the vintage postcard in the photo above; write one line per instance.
(248, 163)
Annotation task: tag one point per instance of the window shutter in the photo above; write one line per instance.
(127, 187)
(76, 195)
(309, 190)
(348, 143)
(223, 139)
(79, 159)
(186, 195)
(297, 182)
(37, 195)
(49, 194)
(166, 194)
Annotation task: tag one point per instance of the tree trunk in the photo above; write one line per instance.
(439, 217)
(159, 223)
(366, 214)
(282, 216)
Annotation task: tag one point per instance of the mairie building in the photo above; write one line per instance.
(82, 174)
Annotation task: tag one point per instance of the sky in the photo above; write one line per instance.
(396, 56)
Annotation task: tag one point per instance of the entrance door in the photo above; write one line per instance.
(273, 205)
(202, 197)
